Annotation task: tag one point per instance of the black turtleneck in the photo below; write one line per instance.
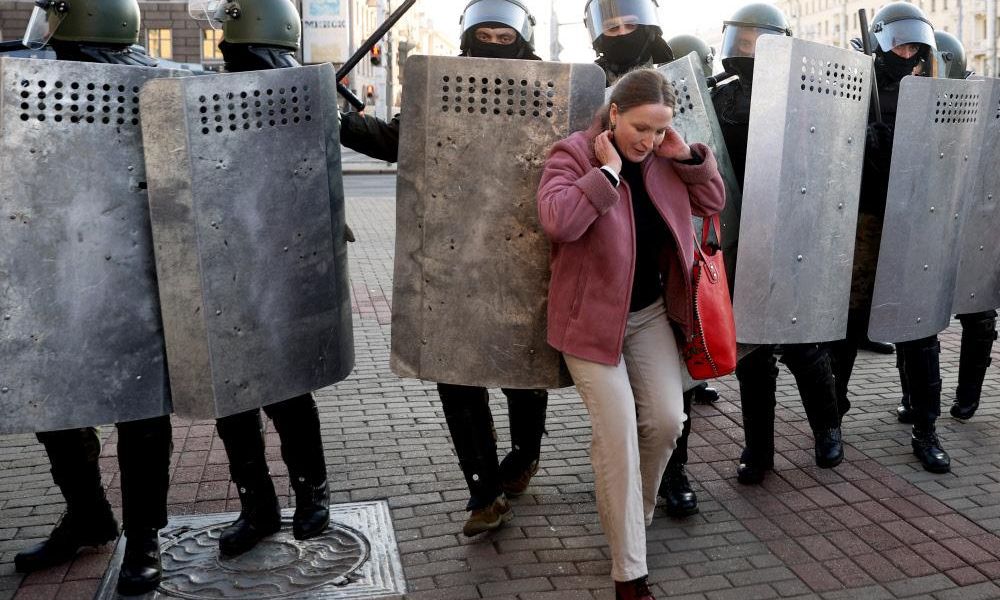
(651, 239)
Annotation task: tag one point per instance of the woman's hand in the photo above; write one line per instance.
(604, 148)
(673, 146)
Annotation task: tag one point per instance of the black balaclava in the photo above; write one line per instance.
(890, 68)
(622, 53)
(246, 57)
(476, 49)
(741, 66)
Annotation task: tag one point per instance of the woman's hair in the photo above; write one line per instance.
(639, 87)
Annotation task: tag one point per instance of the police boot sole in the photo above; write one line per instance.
(963, 413)
(129, 587)
(829, 463)
(300, 532)
(679, 512)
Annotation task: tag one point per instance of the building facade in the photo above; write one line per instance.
(835, 22)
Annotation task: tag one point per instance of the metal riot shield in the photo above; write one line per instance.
(800, 193)
(81, 342)
(978, 284)
(695, 120)
(247, 209)
(471, 270)
(939, 127)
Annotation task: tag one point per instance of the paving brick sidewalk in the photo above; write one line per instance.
(877, 526)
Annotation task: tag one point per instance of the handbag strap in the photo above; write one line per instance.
(714, 223)
(710, 268)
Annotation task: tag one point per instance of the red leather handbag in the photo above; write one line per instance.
(711, 349)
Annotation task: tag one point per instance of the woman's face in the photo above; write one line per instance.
(640, 129)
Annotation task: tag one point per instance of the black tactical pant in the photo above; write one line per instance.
(679, 458)
(297, 422)
(144, 449)
(757, 374)
(920, 373)
(470, 421)
(979, 331)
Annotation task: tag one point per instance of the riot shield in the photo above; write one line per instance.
(978, 284)
(471, 270)
(247, 209)
(800, 193)
(81, 342)
(695, 120)
(939, 126)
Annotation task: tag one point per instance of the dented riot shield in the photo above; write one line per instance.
(81, 342)
(939, 126)
(472, 262)
(800, 193)
(978, 284)
(695, 120)
(247, 209)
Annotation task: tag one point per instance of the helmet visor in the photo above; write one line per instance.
(213, 11)
(618, 17)
(41, 26)
(498, 11)
(740, 41)
(907, 31)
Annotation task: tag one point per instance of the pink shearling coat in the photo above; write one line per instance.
(591, 227)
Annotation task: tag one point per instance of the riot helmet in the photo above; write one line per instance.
(951, 54)
(113, 23)
(896, 27)
(626, 34)
(684, 44)
(498, 14)
(740, 34)
(256, 34)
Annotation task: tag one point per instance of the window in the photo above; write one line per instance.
(210, 45)
(160, 43)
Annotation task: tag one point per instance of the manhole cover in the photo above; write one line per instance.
(356, 557)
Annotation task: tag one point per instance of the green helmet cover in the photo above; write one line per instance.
(100, 22)
(684, 44)
(900, 23)
(264, 22)
(952, 53)
(765, 16)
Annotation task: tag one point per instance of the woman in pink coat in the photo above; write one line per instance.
(616, 201)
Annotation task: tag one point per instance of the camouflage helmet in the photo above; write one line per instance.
(951, 53)
(684, 44)
(100, 22)
(262, 22)
(900, 23)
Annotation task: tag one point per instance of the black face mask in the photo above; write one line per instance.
(741, 66)
(892, 68)
(626, 51)
(479, 49)
(244, 57)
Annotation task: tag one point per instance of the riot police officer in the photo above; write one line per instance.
(490, 29)
(904, 46)
(103, 31)
(626, 35)
(809, 363)
(684, 44)
(260, 35)
(979, 330)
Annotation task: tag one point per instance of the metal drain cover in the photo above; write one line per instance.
(356, 557)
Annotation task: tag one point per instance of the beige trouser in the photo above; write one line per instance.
(636, 414)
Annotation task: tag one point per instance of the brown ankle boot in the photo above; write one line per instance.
(637, 589)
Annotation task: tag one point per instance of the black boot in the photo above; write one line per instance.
(813, 371)
(978, 333)
(705, 395)
(927, 449)
(758, 375)
(297, 423)
(675, 489)
(88, 520)
(260, 515)
(877, 347)
(904, 412)
(141, 570)
(526, 410)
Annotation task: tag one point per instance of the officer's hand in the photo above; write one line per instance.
(606, 153)
(673, 146)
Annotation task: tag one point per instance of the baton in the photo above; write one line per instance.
(866, 43)
(364, 49)
(715, 80)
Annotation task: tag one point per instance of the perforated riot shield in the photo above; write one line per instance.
(247, 208)
(978, 283)
(939, 125)
(471, 271)
(696, 121)
(800, 192)
(81, 342)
